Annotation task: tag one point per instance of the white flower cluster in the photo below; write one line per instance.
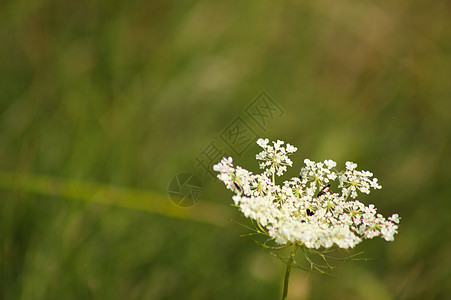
(304, 210)
(275, 158)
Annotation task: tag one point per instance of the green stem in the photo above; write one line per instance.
(288, 271)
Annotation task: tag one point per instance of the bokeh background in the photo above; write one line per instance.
(103, 102)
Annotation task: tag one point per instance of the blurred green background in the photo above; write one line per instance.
(103, 102)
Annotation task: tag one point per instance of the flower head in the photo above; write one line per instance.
(304, 210)
(275, 158)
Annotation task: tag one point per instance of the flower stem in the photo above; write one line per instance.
(288, 271)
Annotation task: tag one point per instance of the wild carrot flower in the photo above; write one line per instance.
(304, 212)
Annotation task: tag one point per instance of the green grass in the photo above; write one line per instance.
(102, 103)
